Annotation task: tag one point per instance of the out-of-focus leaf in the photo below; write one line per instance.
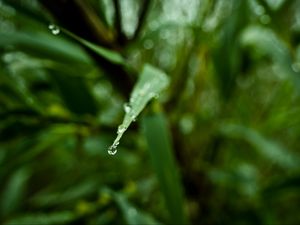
(104, 218)
(265, 147)
(160, 149)
(227, 53)
(150, 84)
(265, 42)
(10, 130)
(12, 196)
(18, 66)
(54, 218)
(275, 4)
(44, 141)
(32, 10)
(53, 198)
(44, 45)
(132, 215)
(72, 86)
(75, 93)
(243, 179)
(282, 185)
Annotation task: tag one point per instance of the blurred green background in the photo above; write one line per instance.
(220, 145)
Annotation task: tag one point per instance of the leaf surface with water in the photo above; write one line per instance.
(149, 85)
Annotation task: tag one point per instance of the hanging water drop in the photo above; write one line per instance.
(112, 150)
(121, 129)
(54, 29)
(127, 107)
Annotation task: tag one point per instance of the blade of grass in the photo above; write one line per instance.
(75, 93)
(44, 45)
(13, 194)
(110, 55)
(61, 217)
(160, 149)
(266, 42)
(151, 82)
(132, 215)
(267, 148)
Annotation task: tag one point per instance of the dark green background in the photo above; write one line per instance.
(219, 146)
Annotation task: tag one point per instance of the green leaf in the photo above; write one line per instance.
(265, 147)
(62, 217)
(44, 140)
(150, 84)
(14, 191)
(106, 53)
(44, 45)
(282, 186)
(75, 93)
(132, 215)
(52, 198)
(265, 42)
(159, 144)
(227, 68)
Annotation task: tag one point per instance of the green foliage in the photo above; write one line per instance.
(210, 132)
(151, 82)
(44, 219)
(110, 55)
(159, 143)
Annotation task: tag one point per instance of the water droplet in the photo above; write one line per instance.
(121, 129)
(112, 150)
(148, 44)
(127, 107)
(131, 100)
(54, 29)
(154, 95)
(133, 117)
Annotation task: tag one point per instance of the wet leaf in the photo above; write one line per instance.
(149, 85)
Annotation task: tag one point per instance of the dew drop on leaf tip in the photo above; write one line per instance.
(54, 29)
(112, 150)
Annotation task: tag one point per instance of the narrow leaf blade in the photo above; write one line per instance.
(150, 84)
(160, 149)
